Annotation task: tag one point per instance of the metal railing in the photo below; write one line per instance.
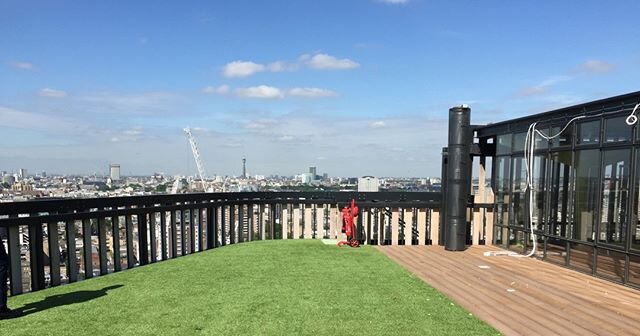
(51, 242)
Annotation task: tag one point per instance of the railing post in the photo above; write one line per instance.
(152, 236)
(115, 231)
(86, 246)
(129, 228)
(102, 245)
(163, 235)
(201, 237)
(173, 234)
(72, 266)
(37, 256)
(143, 243)
(223, 224)
(15, 259)
(194, 217)
(54, 253)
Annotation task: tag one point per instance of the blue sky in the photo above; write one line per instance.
(359, 87)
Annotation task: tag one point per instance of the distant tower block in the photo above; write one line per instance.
(114, 172)
(244, 168)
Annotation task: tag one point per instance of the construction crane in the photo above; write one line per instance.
(196, 156)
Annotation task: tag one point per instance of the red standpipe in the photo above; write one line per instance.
(348, 224)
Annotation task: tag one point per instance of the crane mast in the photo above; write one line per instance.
(196, 155)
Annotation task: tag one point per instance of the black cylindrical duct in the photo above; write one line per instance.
(458, 177)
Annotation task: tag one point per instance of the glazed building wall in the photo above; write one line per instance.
(586, 196)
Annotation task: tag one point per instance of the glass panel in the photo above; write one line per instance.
(497, 236)
(502, 190)
(617, 130)
(516, 241)
(581, 257)
(556, 251)
(541, 143)
(635, 229)
(611, 265)
(504, 144)
(518, 187)
(586, 193)
(589, 132)
(560, 175)
(518, 141)
(634, 269)
(539, 174)
(502, 179)
(563, 139)
(615, 193)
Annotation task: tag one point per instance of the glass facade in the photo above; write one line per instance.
(585, 196)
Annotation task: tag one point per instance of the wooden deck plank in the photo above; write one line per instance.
(524, 296)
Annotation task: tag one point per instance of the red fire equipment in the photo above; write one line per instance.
(348, 225)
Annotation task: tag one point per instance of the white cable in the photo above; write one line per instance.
(632, 118)
(529, 150)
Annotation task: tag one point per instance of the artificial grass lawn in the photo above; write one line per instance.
(283, 287)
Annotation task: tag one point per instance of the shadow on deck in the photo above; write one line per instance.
(524, 296)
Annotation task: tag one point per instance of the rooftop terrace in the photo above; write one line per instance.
(266, 287)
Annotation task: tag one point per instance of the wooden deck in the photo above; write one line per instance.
(524, 296)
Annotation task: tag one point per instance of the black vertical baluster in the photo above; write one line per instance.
(86, 239)
(163, 234)
(37, 259)
(232, 224)
(130, 253)
(183, 231)
(54, 254)
(173, 234)
(14, 259)
(240, 223)
(210, 231)
(223, 224)
(72, 266)
(193, 218)
(201, 237)
(143, 243)
(115, 230)
(260, 221)
(102, 245)
(369, 233)
(214, 214)
(313, 221)
(272, 228)
(152, 236)
(250, 222)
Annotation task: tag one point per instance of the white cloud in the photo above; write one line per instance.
(35, 121)
(328, 62)
(394, 2)
(134, 131)
(311, 92)
(240, 69)
(221, 90)
(596, 66)
(47, 92)
(378, 124)
(115, 139)
(259, 124)
(543, 87)
(260, 92)
(22, 65)
(281, 66)
(145, 103)
(286, 138)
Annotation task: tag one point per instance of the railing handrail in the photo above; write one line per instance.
(163, 202)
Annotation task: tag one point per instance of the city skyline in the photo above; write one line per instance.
(356, 88)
